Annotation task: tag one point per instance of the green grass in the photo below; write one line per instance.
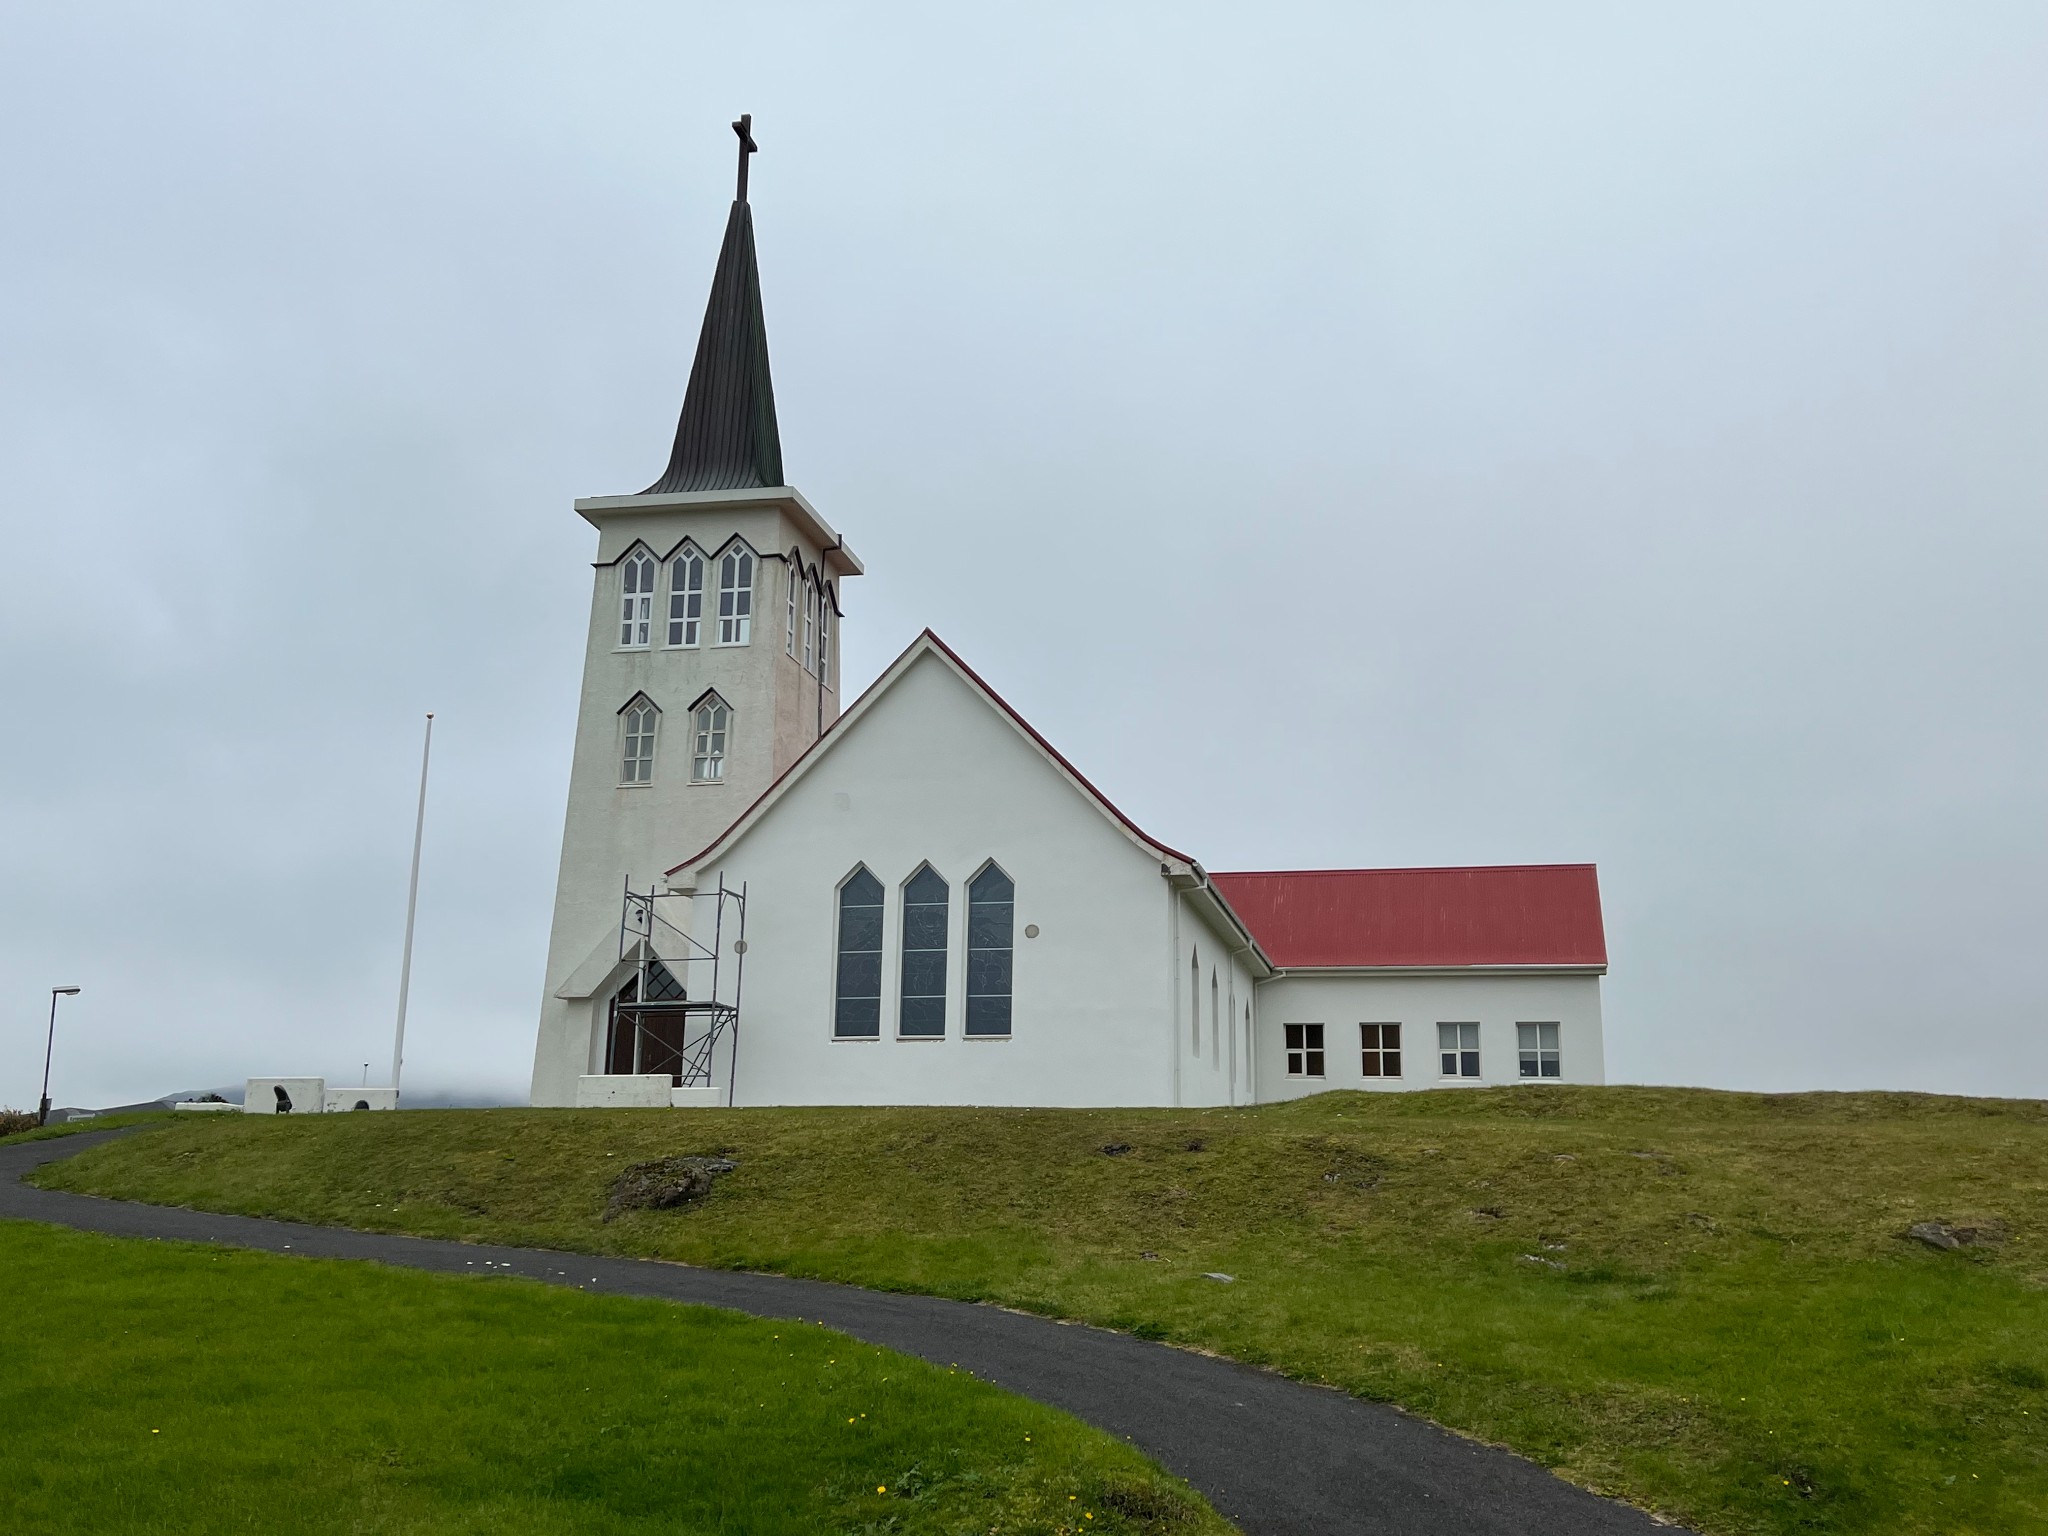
(1730, 1326)
(165, 1387)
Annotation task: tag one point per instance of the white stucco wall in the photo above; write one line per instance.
(933, 773)
(615, 832)
(1418, 1003)
(1213, 989)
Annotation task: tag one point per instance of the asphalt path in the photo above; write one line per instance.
(1273, 1455)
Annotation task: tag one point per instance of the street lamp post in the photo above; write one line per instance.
(50, 1045)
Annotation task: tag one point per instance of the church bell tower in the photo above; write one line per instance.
(711, 662)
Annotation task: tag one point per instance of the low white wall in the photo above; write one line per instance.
(208, 1108)
(307, 1094)
(636, 1090)
(1340, 1003)
(338, 1100)
(697, 1098)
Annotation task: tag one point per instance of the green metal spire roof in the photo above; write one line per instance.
(726, 439)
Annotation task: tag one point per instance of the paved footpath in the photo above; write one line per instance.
(1275, 1456)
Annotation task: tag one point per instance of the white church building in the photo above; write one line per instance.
(767, 899)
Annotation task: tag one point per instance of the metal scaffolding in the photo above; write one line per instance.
(674, 1012)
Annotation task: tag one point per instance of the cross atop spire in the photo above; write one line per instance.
(745, 129)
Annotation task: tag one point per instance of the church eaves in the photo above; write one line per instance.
(726, 438)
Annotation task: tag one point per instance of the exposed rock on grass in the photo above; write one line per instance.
(664, 1184)
(1948, 1235)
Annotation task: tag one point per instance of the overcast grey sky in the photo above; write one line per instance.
(1356, 435)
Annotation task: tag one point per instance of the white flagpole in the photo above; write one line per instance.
(412, 901)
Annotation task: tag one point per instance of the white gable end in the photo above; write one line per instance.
(929, 771)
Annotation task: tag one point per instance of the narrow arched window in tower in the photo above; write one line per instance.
(1195, 996)
(710, 724)
(636, 598)
(686, 597)
(824, 629)
(922, 1011)
(639, 722)
(736, 596)
(991, 922)
(791, 578)
(857, 1001)
(810, 625)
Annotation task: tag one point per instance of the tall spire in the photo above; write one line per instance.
(726, 438)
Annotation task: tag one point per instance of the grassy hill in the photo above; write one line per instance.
(1704, 1302)
(156, 1387)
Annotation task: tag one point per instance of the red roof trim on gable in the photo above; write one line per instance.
(1521, 915)
(1004, 704)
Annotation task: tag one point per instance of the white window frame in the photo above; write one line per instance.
(1379, 1051)
(824, 629)
(685, 626)
(794, 572)
(1535, 1050)
(639, 573)
(1457, 1048)
(639, 740)
(1304, 1050)
(810, 655)
(736, 596)
(710, 739)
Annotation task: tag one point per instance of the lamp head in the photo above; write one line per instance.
(64, 991)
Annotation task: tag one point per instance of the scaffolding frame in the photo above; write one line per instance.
(661, 1026)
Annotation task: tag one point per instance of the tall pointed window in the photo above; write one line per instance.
(735, 596)
(922, 1012)
(824, 629)
(991, 923)
(639, 721)
(790, 572)
(810, 625)
(686, 597)
(857, 1001)
(710, 723)
(636, 598)
(1195, 996)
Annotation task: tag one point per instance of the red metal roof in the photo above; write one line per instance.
(1525, 914)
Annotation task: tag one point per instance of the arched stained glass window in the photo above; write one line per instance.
(922, 1010)
(991, 923)
(710, 722)
(735, 596)
(639, 721)
(857, 1003)
(686, 597)
(636, 598)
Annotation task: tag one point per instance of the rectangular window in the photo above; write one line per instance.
(991, 925)
(636, 764)
(636, 599)
(1381, 1048)
(857, 1005)
(922, 1012)
(1459, 1046)
(686, 598)
(1539, 1049)
(1304, 1050)
(735, 597)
